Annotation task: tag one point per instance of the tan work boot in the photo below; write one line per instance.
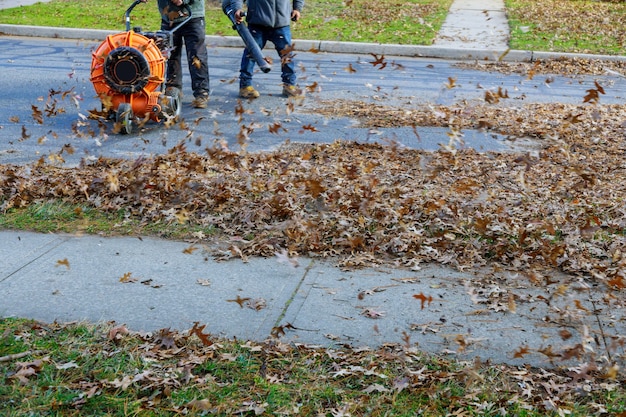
(200, 102)
(248, 92)
(291, 91)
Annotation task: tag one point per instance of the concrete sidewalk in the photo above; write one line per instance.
(475, 24)
(150, 284)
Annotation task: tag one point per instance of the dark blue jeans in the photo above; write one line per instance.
(192, 34)
(281, 38)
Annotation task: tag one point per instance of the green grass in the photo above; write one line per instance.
(586, 26)
(59, 216)
(81, 369)
(362, 21)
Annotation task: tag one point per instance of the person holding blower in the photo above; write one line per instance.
(193, 34)
(268, 20)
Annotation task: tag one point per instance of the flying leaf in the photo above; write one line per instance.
(312, 88)
(617, 282)
(63, 262)
(423, 299)
(190, 250)
(68, 149)
(378, 61)
(573, 118)
(239, 300)
(350, 69)
(310, 128)
(593, 94)
(521, 352)
(279, 331)
(197, 330)
(580, 306)
(282, 257)
(511, 304)
(37, 114)
(275, 127)
(25, 134)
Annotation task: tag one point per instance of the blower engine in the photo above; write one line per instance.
(128, 74)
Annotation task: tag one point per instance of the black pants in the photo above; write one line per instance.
(192, 34)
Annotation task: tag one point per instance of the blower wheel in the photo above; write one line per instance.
(124, 118)
(171, 102)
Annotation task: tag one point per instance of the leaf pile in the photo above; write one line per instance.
(559, 207)
(71, 369)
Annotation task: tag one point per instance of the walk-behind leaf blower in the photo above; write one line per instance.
(128, 74)
(252, 47)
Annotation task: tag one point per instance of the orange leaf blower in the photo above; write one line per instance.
(128, 74)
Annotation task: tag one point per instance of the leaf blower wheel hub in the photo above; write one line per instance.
(126, 70)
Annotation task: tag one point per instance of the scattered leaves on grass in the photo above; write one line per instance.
(572, 26)
(26, 370)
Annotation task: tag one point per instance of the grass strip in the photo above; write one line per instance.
(107, 369)
(389, 21)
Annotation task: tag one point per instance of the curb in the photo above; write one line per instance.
(415, 51)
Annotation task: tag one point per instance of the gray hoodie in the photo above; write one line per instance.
(269, 13)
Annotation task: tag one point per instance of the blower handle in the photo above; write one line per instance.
(127, 14)
(136, 2)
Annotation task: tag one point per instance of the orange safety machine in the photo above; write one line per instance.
(128, 74)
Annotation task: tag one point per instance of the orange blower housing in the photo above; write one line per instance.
(128, 74)
(129, 68)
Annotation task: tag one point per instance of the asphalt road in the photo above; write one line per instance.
(51, 76)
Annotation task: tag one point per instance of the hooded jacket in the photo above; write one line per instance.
(175, 14)
(268, 13)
